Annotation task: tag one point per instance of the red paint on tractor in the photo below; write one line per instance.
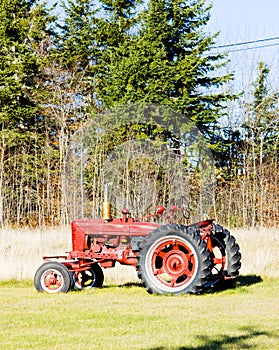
(171, 263)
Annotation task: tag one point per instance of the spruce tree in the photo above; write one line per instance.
(168, 61)
(24, 29)
(115, 30)
(76, 42)
(262, 126)
(18, 66)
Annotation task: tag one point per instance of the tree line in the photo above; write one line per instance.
(59, 74)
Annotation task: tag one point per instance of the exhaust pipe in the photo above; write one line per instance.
(106, 210)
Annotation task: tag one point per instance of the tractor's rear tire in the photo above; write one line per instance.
(226, 257)
(233, 255)
(52, 277)
(174, 259)
(89, 278)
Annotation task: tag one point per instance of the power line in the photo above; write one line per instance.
(255, 47)
(245, 43)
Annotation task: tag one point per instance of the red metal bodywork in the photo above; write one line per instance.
(107, 242)
(170, 258)
(98, 241)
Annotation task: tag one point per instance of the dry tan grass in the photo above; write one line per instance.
(260, 251)
(21, 253)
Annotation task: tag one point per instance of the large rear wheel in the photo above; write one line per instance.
(233, 255)
(173, 259)
(226, 256)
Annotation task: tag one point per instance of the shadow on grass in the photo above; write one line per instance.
(224, 341)
(132, 284)
(240, 281)
(243, 281)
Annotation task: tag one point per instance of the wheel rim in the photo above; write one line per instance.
(219, 260)
(218, 257)
(171, 264)
(84, 279)
(52, 281)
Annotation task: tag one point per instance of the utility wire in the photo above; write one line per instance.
(255, 47)
(245, 43)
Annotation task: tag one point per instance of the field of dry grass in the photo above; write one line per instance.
(129, 318)
(260, 251)
(21, 253)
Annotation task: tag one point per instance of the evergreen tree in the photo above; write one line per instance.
(69, 75)
(24, 31)
(169, 62)
(24, 28)
(118, 21)
(262, 124)
(76, 43)
(116, 28)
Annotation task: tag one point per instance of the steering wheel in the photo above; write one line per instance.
(184, 206)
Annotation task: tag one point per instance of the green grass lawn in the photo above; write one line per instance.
(127, 317)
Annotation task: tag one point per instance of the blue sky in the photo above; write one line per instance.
(248, 20)
(245, 19)
(242, 21)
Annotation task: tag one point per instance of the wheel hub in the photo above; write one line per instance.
(175, 263)
(52, 280)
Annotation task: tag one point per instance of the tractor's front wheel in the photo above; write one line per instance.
(94, 277)
(174, 259)
(52, 277)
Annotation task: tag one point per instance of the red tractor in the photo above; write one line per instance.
(169, 259)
